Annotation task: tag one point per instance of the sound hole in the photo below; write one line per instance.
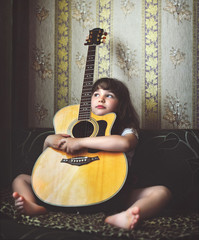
(83, 129)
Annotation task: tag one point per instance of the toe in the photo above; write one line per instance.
(15, 195)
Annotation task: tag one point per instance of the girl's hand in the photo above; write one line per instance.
(54, 141)
(71, 145)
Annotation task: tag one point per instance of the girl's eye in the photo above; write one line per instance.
(110, 96)
(96, 94)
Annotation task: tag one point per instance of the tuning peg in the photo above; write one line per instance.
(88, 41)
(103, 40)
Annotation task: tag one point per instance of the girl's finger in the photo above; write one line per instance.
(65, 135)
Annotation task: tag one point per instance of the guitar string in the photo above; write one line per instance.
(85, 105)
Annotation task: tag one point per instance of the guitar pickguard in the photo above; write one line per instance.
(102, 127)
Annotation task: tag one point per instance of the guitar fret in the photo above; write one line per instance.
(90, 61)
(84, 110)
(86, 97)
(85, 104)
(88, 80)
(87, 89)
(89, 85)
(89, 71)
(91, 56)
(84, 118)
(86, 94)
(88, 74)
(91, 51)
(84, 113)
(89, 67)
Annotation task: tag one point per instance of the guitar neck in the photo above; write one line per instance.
(85, 103)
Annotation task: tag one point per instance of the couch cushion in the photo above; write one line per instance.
(170, 158)
(170, 226)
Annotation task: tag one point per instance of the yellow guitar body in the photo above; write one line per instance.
(82, 179)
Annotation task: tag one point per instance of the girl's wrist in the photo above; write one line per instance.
(47, 143)
(81, 142)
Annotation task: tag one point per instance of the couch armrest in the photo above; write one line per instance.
(27, 146)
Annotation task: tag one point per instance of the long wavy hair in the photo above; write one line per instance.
(127, 117)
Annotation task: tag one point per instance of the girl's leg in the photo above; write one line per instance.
(25, 201)
(147, 202)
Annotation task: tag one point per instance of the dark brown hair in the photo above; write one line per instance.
(126, 114)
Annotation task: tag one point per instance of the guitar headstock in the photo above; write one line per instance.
(96, 36)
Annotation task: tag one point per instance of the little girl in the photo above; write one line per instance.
(108, 95)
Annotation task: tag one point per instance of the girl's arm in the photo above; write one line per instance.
(105, 143)
(54, 141)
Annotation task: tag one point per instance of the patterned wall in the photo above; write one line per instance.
(152, 46)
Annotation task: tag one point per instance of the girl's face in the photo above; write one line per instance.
(103, 102)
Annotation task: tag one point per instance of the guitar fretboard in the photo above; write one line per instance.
(85, 103)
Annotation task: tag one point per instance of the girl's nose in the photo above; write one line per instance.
(101, 99)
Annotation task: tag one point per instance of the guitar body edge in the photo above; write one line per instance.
(62, 184)
(84, 179)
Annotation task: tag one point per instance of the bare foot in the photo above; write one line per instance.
(26, 207)
(127, 219)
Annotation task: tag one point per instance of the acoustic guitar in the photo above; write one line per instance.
(92, 176)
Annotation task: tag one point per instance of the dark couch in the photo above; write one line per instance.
(166, 157)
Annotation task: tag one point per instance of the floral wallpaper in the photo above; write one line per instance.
(151, 45)
(41, 63)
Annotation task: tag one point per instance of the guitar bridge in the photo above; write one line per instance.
(78, 161)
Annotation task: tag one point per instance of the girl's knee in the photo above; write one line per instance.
(20, 178)
(164, 192)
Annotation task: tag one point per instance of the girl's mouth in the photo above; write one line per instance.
(100, 107)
